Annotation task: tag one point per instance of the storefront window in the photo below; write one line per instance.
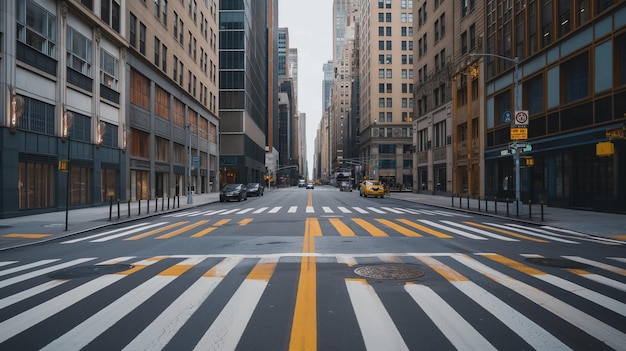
(36, 185)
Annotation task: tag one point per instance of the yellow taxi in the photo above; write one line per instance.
(372, 187)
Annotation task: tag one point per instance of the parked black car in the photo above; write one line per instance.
(234, 192)
(255, 189)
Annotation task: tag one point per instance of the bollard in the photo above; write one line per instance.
(507, 206)
(129, 208)
(460, 199)
(156, 204)
(495, 201)
(486, 204)
(147, 205)
(530, 209)
(542, 211)
(516, 208)
(178, 196)
(139, 212)
(118, 208)
(111, 208)
(452, 200)
(162, 203)
(468, 197)
(168, 202)
(479, 204)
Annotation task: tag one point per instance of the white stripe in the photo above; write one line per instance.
(195, 213)
(480, 231)
(105, 233)
(344, 210)
(6, 263)
(244, 211)
(460, 333)
(347, 260)
(607, 267)
(118, 235)
(22, 295)
(226, 330)
(208, 213)
(310, 209)
(327, 209)
(373, 209)
(261, 210)
(166, 325)
(229, 211)
(451, 230)
(360, 210)
(35, 315)
(43, 271)
(592, 326)
(604, 280)
(177, 214)
(407, 210)
(377, 328)
(26, 266)
(275, 209)
(217, 212)
(443, 213)
(618, 259)
(452, 214)
(528, 330)
(292, 209)
(392, 210)
(528, 232)
(426, 212)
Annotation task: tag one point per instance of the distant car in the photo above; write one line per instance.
(310, 186)
(345, 186)
(301, 183)
(234, 192)
(255, 189)
(372, 187)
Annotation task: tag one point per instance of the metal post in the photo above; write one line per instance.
(67, 199)
(189, 198)
(111, 208)
(542, 211)
(530, 209)
(495, 202)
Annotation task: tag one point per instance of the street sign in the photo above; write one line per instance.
(507, 116)
(517, 145)
(519, 133)
(63, 166)
(521, 118)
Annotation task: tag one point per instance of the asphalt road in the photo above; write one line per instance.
(321, 269)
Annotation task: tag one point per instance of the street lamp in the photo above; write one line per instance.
(68, 118)
(518, 107)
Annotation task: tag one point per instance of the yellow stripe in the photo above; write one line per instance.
(27, 236)
(503, 231)
(262, 271)
(618, 236)
(309, 201)
(221, 222)
(448, 273)
(245, 221)
(304, 327)
(341, 227)
(577, 271)
(513, 264)
(369, 227)
(402, 230)
(182, 230)
(425, 229)
(156, 231)
(176, 270)
(203, 232)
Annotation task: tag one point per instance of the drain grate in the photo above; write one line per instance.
(89, 271)
(389, 271)
(557, 263)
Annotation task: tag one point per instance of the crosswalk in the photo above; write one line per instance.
(479, 301)
(349, 227)
(329, 210)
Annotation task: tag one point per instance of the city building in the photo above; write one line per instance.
(243, 87)
(64, 84)
(386, 79)
(568, 62)
(172, 112)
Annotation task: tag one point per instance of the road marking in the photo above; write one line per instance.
(327, 209)
(261, 210)
(425, 229)
(156, 231)
(107, 233)
(304, 327)
(479, 231)
(369, 227)
(341, 227)
(27, 236)
(244, 211)
(344, 210)
(359, 210)
(507, 232)
(377, 328)
(245, 221)
(182, 230)
(27, 266)
(227, 329)
(374, 209)
(40, 272)
(230, 211)
(292, 209)
(310, 209)
(529, 232)
(275, 209)
(392, 210)
(607, 267)
(455, 231)
(402, 230)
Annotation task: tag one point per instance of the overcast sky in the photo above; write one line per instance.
(310, 31)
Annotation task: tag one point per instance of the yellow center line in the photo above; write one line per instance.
(425, 229)
(182, 230)
(304, 327)
(402, 230)
(369, 227)
(309, 201)
(503, 231)
(341, 227)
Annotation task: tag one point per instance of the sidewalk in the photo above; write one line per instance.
(28, 230)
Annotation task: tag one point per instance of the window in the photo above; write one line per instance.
(81, 128)
(139, 143)
(389, 102)
(175, 69)
(132, 30)
(36, 27)
(534, 95)
(142, 38)
(575, 78)
(38, 117)
(157, 51)
(464, 42)
(139, 90)
(164, 58)
(109, 69)
(381, 103)
(110, 13)
(78, 52)
(36, 183)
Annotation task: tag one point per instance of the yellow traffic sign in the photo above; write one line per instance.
(63, 166)
(519, 133)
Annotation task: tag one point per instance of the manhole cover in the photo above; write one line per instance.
(389, 271)
(557, 263)
(89, 271)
